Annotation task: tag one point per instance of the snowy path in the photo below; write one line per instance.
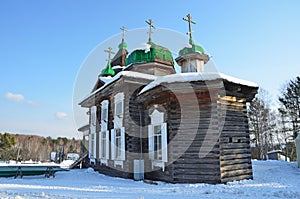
(272, 179)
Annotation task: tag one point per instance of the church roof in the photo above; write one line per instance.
(152, 53)
(192, 77)
(111, 80)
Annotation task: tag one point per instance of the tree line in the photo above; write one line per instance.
(275, 128)
(32, 147)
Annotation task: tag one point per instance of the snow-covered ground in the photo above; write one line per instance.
(272, 179)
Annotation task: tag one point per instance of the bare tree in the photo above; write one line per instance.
(261, 123)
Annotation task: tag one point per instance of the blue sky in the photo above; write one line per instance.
(44, 43)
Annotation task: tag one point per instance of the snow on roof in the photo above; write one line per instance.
(144, 46)
(118, 76)
(189, 77)
(117, 67)
(105, 79)
(238, 81)
(83, 128)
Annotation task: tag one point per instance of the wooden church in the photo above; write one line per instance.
(148, 122)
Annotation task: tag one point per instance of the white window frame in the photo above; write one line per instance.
(157, 142)
(157, 119)
(114, 148)
(93, 128)
(104, 157)
(104, 131)
(93, 115)
(119, 108)
(104, 115)
(119, 98)
(91, 139)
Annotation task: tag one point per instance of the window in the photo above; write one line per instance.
(157, 140)
(104, 113)
(118, 143)
(104, 147)
(104, 133)
(119, 104)
(93, 118)
(119, 108)
(157, 143)
(118, 133)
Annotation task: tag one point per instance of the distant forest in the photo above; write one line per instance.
(275, 127)
(33, 147)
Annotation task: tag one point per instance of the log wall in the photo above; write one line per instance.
(196, 131)
(235, 152)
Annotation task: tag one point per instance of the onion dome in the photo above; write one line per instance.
(108, 71)
(191, 49)
(152, 53)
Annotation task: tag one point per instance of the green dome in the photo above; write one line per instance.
(108, 71)
(194, 48)
(122, 45)
(155, 53)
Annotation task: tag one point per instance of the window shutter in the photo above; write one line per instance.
(123, 106)
(106, 115)
(93, 129)
(95, 145)
(150, 142)
(113, 144)
(122, 143)
(164, 142)
(100, 145)
(103, 125)
(93, 140)
(107, 145)
(93, 115)
(90, 145)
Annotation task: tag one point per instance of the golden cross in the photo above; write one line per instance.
(110, 52)
(190, 21)
(150, 23)
(123, 32)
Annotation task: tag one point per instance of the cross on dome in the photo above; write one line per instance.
(110, 52)
(190, 21)
(150, 23)
(124, 30)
